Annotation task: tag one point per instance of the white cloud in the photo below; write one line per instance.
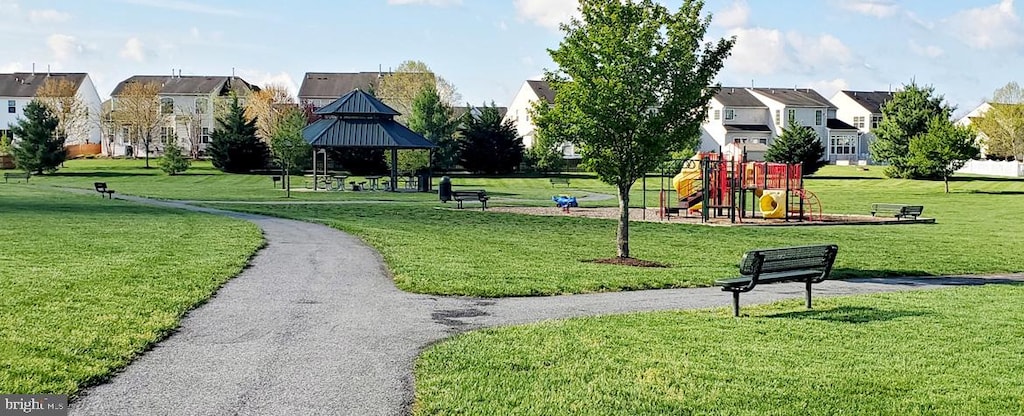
(876, 8)
(263, 78)
(758, 51)
(930, 51)
(48, 16)
(815, 52)
(65, 47)
(547, 13)
(12, 67)
(185, 6)
(993, 27)
(437, 3)
(9, 7)
(828, 88)
(134, 50)
(733, 17)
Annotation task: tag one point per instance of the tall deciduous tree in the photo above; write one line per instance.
(632, 85)
(435, 120)
(138, 108)
(399, 89)
(234, 146)
(268, 106)
(39, 148)
(545, 153)
(943, 149)
(1003, 124)
(60, 95)
(905, 116)
(287, 146)
(797, 144)
(488, 145)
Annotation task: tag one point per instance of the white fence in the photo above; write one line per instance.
(994, 168)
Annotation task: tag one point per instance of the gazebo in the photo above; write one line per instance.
(359, 120)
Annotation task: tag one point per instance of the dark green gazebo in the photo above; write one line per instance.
(360, 120)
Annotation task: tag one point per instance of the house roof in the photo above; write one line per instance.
(750, 128)
(189, 84)
(25, 84)
(870, 100)
(543, 90)
(358, 103)
(330, 85)
(836, 124)
(365, 133)
(738, 97)
(795, 97)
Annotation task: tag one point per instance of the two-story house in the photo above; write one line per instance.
(736, 121)
(188, 106)
(813, 111)
(533, 91)
(321, 88)
(20, 88)
(863, 110)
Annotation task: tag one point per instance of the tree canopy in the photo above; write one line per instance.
(289, 148)
(435, 120)
(797, 144)
(138, 108)
(1002, 125)
(632, 85)
(943, 149)
(907, 115)
(234, 146)
(38, 149)
(487, 144)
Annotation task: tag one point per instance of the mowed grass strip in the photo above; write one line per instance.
(86, 284)
(432, 249)
(953, 351)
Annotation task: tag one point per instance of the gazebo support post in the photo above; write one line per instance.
(394, 169)
(314, 169)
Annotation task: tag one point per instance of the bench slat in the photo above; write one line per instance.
(785, 259)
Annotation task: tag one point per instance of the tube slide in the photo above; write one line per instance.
(773, 204)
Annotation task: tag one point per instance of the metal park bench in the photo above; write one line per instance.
(899, 211)
(809, 264)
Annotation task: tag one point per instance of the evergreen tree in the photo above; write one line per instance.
(797, 144)
(488, 145)
(38, 148)
(174, 161)
(943, 150)
(905, 116)
(234, 146)
(434, 119)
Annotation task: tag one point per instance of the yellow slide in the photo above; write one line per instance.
(773, 204)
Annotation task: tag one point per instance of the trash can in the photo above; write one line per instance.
(424, 182)
(444, 189)
(129, 151)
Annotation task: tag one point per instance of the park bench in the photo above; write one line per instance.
(809, 264)
(559, 181)
(899, 211)
(101, 187)
(17, 175)
(479, 195)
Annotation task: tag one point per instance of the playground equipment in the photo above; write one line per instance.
(565, 202)
(714, 186)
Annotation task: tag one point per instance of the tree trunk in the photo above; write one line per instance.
(622, 237)
(147, 152)
(945, 179)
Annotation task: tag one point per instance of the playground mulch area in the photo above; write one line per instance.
(652, 215)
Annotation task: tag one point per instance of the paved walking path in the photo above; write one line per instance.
(316, 327)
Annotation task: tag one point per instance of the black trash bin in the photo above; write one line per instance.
(424, 182)
(444, 189)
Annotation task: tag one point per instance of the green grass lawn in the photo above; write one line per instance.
(945, 352)
(86, 284)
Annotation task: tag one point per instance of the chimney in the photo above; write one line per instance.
(33, 68)
(47, 69)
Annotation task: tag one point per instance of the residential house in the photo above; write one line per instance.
(321, 88)
(20, 88)
(863, 110)
(813, 111)
(737, 121)
(187, 103)
(518, 113)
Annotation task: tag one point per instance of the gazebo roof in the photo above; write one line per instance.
(365, 133)
(357, 103)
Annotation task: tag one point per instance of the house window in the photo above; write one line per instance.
(791, 115)
(778, 117)
(858, 122)
(204, 136)
(126, 134)
(12, 106)
(6, 134)
(202, 105)
(718, 114)
(875, 121)
(166, 133)
(730, 114)
(739, 140)
(818, 117)
(166, 106)
(843, 145)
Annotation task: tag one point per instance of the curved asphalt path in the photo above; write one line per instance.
(315, 326)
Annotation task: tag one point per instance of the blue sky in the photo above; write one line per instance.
(487, 48)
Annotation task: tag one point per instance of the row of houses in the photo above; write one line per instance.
(751, 118)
